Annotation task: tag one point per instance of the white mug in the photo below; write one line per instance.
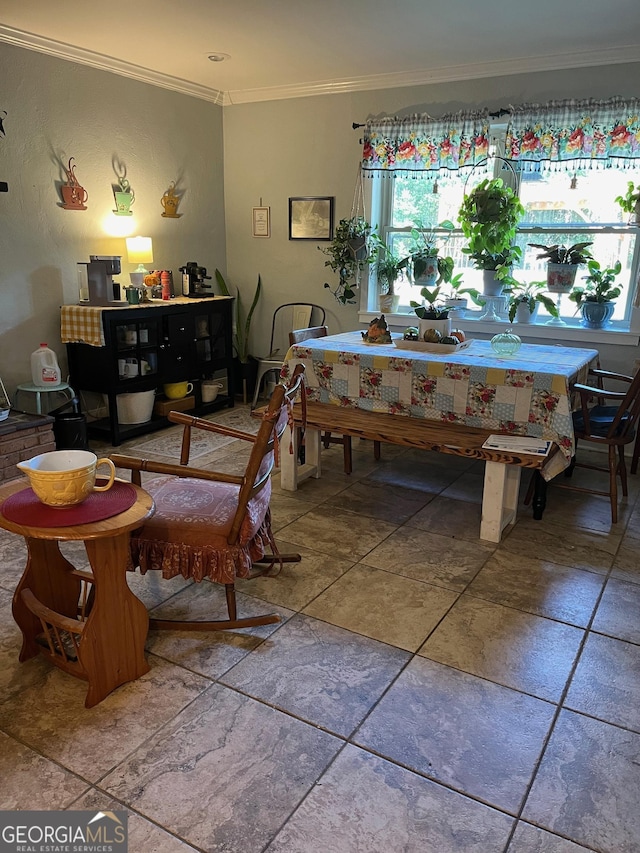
(122, 366)
(131, 337)
(131, 368)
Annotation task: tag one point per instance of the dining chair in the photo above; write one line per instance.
(291, 315)
(212, 525)
(603, 425)
(298, 336)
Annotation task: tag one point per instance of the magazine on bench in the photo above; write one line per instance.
(518, 444)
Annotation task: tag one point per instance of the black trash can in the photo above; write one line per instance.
(70, 428)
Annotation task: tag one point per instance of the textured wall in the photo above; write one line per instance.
(57, 110)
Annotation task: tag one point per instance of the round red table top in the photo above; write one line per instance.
(25, 508)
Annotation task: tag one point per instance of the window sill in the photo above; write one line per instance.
(616, 335)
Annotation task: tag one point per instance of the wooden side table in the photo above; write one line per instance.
(89, 624)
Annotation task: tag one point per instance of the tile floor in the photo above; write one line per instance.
(424, 691)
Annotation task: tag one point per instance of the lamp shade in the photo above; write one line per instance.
(139, 251)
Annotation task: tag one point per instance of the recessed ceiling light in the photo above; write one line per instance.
(218, 57)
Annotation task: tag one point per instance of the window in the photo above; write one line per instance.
(560, 207)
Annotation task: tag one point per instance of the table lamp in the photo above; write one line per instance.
(139, 251)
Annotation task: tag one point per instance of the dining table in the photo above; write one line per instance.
(524, 393)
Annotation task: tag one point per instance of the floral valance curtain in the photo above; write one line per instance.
(419, 143)
(575, 134)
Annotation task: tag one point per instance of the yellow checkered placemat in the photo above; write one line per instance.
(82, 324)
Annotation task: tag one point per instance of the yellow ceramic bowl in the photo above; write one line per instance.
(177, 390)
(65, 477)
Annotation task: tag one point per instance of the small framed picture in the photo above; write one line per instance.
(261, 222)
(311, 218)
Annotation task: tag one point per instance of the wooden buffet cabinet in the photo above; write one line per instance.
(169, 341)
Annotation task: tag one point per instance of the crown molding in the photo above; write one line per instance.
(449, 74)
(60, 50)
(401, 79)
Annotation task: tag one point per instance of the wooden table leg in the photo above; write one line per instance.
(499, 499)
(112, 647)
(290, 472)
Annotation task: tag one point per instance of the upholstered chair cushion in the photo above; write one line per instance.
(188, 533)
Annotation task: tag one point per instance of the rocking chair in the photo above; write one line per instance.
(209, 524)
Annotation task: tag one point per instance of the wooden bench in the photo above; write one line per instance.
(502, 470)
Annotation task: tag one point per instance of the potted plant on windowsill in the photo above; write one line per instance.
(562, 264)
(432, 315)
(349, 253)
(489, 218)
(389, 268)
(595, 299)
(524, 299)
(455, 299)
(428, 267)
(630, 203)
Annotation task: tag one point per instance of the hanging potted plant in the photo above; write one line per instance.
(348, 254)
(630, 203)
(489, 218)
(595, 299)
(389, 269)
(562, 264)
(427, 266)
(524, 299)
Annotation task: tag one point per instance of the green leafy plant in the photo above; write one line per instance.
(433, 310)
(348, 253)
(519, 292)
(389, 267)
(558, 254)
(425, 247)
(489, 218)
(242, 322)
(599, 285)
(630, 199)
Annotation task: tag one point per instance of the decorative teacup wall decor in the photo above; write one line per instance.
(170, 202)
(124, 197)
(73, 195)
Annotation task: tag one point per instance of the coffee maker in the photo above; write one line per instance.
(97, 286)
(193, 280)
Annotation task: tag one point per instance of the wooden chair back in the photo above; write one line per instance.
(297, 336)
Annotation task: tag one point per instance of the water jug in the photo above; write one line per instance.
(45, 371)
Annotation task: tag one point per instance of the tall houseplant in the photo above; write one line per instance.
(348, 254)
(630, 203)
(246, 369)
(489, 218)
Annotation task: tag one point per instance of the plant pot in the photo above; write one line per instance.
(634, 216)
(442, 326)
(358, 248)
(491, 286)
(457, 307)
(524, 315)
(596, 315)
(428, 273)
(245, 374)
(388, 302)
(561, 277)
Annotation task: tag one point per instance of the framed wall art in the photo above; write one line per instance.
(261, 224)
(311, 218)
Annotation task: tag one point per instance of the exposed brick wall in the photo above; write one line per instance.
(23, 437)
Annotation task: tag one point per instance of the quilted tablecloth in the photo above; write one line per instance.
(528, 393)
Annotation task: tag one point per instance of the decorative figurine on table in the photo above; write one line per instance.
(170, 202)
(73, 195)
(378, 332)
